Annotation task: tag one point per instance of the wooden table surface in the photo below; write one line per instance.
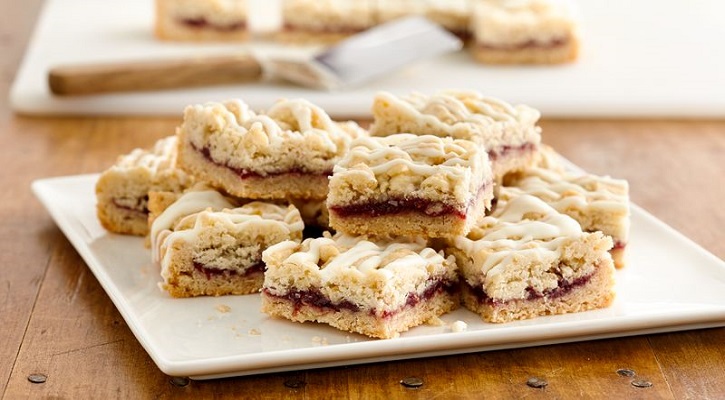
(57, 323)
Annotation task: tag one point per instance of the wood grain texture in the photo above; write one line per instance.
(56, 319)
(67, 328)
(148, 75)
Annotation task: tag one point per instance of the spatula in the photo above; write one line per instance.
(356, 60)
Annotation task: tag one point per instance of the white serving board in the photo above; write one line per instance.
(639, 58)
(669, 284)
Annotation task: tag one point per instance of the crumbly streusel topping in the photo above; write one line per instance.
(162, 156)
(293, 135)
(409, 166)
(513, 22)
(371, 274)
(460, 114)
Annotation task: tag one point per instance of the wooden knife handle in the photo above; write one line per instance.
(152, 75)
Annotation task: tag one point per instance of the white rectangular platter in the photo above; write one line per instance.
(670, 284)
(639, 58)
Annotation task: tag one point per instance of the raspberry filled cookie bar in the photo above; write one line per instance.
(524, 32)
(122, 190)
(528, 260)
(201, 20)
(376, 288)
(598, 203)
(324, 21)
(208, 246)
(508, 133)
(288, 152)
(407, 184)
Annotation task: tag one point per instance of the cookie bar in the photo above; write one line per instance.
(206, 246)
(324, 21)
(376, 288)
(287, 152)
(408, 184)
(524, 32)
(201, 20)
(509, 133)
(122, 190)
(528, 260)
(598, 203)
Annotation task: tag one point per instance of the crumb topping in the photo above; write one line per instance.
(162, 156)
(293, 135)
(409, 166)
(460, 114)
(567, 190)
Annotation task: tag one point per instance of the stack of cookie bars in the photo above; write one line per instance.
(449, 199)
(497, 31)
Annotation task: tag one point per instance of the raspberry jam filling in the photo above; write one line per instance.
(531, 44)
(619, 245)
(398, 205)
(562, 289)
(247, 174)
(203, 23)
(504, 151)
(404, 205)
(210, 272)
(314, 298)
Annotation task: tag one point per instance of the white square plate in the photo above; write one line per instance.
(670, 284)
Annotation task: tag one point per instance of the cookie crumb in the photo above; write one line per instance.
(254, 332)
(458, 326)
(435, 321)
(223, 308)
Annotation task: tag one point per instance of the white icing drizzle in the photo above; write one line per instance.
(580, 194)
(411, 166)
(460, 114)
(359, 255)
(189, 203)
(562, 190)
(525, 224)
(451, 107)
(423, 155)
(254, 216)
